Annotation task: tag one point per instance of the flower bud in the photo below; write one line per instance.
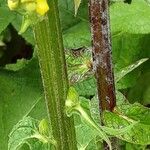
(42, 7)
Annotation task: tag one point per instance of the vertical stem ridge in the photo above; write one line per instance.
(54, 76)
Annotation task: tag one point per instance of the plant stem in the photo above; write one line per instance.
(51, 56)
(102, 62)
(91, 123)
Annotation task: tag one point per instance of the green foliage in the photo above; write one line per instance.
(87, 87)
(79, 65)
(141, 131)
(141, 90)
(137, 112)
(71, 36)
(21, 92)
(26, 132)
(20, 95)
(119, 75)
(135, 20)
(88, 140)
(6, 17)
(132, 118)
(74, 105)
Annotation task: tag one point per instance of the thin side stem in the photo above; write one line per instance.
(51, 56)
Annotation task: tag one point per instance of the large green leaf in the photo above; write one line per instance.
(85, 135)
(26, 131)
(127, 77)
(137, 112)
(77, 36)
(20, 94)
(127, 49)
(131, 113)
(132, 18)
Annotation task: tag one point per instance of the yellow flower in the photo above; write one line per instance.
(41, 7)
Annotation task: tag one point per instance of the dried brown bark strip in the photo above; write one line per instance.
(102, 61)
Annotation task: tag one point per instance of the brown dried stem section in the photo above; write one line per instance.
(102, 62)
(102, 57)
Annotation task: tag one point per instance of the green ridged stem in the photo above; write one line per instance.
(51, 56)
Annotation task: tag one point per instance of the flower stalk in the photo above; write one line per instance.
(51, 56)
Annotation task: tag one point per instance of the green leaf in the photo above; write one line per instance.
(136, 112)
(26, 132)
(85, 135)
(21, 95)
(6, 16)
(79, 65)
(72, 101)
(148, 1)
(94, 109)
(135, 147)
(101, 130)
(21, 63)
(86, 87)
(129, 49)
(120, 98)
(119, 75)
(140, 92)
(133, 18)
(77, 36)
(130, 114)
(95, 113)
(73, 106)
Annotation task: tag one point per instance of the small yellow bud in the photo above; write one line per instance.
(13, 4)
(42, 7)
